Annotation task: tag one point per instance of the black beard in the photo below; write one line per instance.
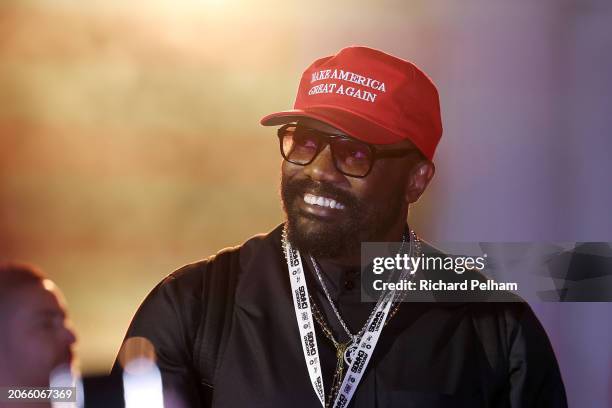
(361, 223)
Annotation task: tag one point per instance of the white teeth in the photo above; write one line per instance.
(322, 201)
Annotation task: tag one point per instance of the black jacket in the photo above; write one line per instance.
(459, 354)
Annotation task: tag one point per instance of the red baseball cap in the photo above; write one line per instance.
(371, 96)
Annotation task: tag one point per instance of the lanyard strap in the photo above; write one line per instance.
(303, 315)
(362, 355)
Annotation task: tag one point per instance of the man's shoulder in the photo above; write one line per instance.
(193, 285)
(192, 274)
(443, 267)
(500, 311)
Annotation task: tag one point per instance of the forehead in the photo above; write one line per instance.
(324, 127)
(38, 299)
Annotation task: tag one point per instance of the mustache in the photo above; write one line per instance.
(297, 188)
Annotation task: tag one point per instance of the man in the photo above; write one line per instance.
(278, 321)
(35, 335)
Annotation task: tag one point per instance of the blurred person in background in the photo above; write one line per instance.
(279, 321)
(36, 337)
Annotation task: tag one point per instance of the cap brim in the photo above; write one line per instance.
(347, 122)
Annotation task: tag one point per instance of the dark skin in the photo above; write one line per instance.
(409, 174)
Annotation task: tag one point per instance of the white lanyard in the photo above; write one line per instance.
(362, 355)
(303, 314)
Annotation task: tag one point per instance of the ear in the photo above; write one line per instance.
(418, 178)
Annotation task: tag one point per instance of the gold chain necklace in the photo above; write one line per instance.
(342, 347)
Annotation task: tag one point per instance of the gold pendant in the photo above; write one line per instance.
(340, 349)
(349, 352)
(337, 380)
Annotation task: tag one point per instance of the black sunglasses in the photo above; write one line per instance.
(301, 145)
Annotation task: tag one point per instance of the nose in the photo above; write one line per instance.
(323, 168)
(69, 335)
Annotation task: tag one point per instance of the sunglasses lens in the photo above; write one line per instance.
(299, 145)
(352, 158)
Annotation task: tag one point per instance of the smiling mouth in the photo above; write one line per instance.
(322, 201)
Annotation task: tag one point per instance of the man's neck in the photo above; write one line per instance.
(353, 260)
